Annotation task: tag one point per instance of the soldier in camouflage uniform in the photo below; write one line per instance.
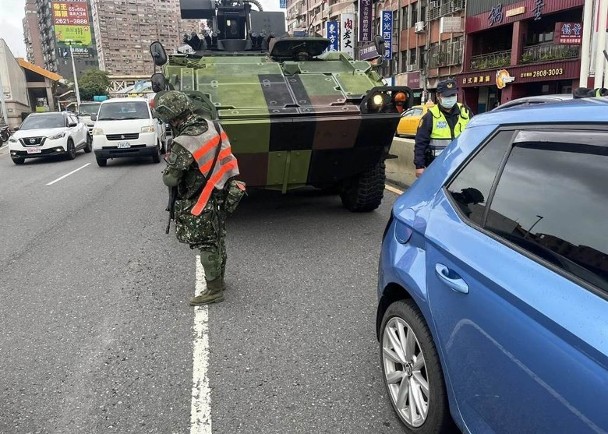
(202, 169)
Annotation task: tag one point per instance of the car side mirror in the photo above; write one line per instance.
(93, 117)
(159, 55)
(72, 124)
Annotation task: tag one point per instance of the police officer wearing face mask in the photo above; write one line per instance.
(440, 125)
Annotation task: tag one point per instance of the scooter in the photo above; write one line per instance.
(5, 133)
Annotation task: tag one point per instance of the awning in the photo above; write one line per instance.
(38, 70)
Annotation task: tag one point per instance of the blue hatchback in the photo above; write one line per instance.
(493, 278)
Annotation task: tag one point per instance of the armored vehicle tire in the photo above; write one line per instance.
(101, 162)
(18, 160)
(364, 192)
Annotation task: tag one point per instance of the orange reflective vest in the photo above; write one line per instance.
(203, 148)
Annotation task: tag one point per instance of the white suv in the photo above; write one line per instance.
(48, 134)
(125, 127)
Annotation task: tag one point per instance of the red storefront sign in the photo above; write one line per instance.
(567, 70)
(568, 33)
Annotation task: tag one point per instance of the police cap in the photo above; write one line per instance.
(447, 87)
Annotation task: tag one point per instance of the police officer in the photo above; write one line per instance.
(440, 125)
(584, 92)
(201, 168)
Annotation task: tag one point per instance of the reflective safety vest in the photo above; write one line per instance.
(442, 135)
(203, 148)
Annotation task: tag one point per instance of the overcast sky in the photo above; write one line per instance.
(13, 11)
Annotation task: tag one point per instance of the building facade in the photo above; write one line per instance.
(520, 48)
(124, 30)
(66, 24)
(31, 34)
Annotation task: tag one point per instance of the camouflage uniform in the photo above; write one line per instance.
(206, 231)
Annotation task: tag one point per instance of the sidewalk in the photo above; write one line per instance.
(400, 171)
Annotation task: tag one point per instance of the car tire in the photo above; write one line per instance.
(71, 154)
(18, 160)
(88, 147)
(413, 370)
(101, 162)
(156, 156)
(364, 192)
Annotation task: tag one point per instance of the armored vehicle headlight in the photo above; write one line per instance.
(377, 100)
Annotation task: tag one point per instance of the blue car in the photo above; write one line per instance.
(493, 278)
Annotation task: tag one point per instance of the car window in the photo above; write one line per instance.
(417, 112)
(409, 112)
(471, 187)
(89, 109)
(551, 200)
(123, 110)
(33, 122)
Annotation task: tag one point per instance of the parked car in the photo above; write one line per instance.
(48, 134)
(493, 278)
(85, 110)
(533, 100)
(410, 119)
(125, 127)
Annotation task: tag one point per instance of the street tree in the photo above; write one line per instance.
(93, 82)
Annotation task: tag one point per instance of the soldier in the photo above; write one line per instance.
(440, 125)
(200, 170)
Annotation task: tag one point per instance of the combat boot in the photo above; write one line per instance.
(213, 294)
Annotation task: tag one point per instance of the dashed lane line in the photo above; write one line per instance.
(67, 174)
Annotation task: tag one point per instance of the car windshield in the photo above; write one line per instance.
(89, 109)
(54, 120)
(123, 110)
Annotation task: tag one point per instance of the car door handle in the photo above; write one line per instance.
(451, 279)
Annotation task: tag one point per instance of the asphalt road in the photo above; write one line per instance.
(96, 334)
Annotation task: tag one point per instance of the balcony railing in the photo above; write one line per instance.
(446, 54)
(446, 8)
(549, 51)
(498, 59)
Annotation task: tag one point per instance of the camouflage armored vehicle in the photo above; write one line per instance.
(296, 115)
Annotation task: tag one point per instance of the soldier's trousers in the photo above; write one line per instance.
(205, 232)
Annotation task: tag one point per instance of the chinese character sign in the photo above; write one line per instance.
(365, 20)
(71, 21)
(333, 36)
(568, 33)
(347, 34)
(387, 33)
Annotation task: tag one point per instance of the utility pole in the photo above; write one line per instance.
(76, 90)
(602, 6)
(586, 43)
(2, 102)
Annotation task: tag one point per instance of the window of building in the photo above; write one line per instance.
(404, 20)
(414, 14)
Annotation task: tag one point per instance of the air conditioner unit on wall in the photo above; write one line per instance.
(419, 27)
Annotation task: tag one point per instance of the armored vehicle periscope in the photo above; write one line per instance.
(296, 115)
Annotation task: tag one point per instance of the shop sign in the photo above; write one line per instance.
(568, 33)
(538, 9)
(347, 35)
(503, 78)
(332, 35)
(365, 20)
(543, 72)
(496, 15)
(477, 79)
(368, 51)
(450, 25)
(387, 33)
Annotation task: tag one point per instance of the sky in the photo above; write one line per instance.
(13, 11)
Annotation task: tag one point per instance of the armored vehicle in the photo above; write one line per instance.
(296, 114)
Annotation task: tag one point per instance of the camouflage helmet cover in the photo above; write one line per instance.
(171, 105)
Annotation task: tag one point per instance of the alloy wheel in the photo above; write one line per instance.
(405, 372)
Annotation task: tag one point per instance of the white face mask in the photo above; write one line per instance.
(448, 102)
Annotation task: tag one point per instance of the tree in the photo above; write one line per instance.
(93, 82)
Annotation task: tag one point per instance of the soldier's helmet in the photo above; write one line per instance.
(171, 105)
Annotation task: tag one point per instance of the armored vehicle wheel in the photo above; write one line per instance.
(364, 192)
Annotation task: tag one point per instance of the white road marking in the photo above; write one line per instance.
(393, 189)
(200, 412)
(67, 174)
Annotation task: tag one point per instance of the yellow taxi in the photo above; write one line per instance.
(410, 119)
